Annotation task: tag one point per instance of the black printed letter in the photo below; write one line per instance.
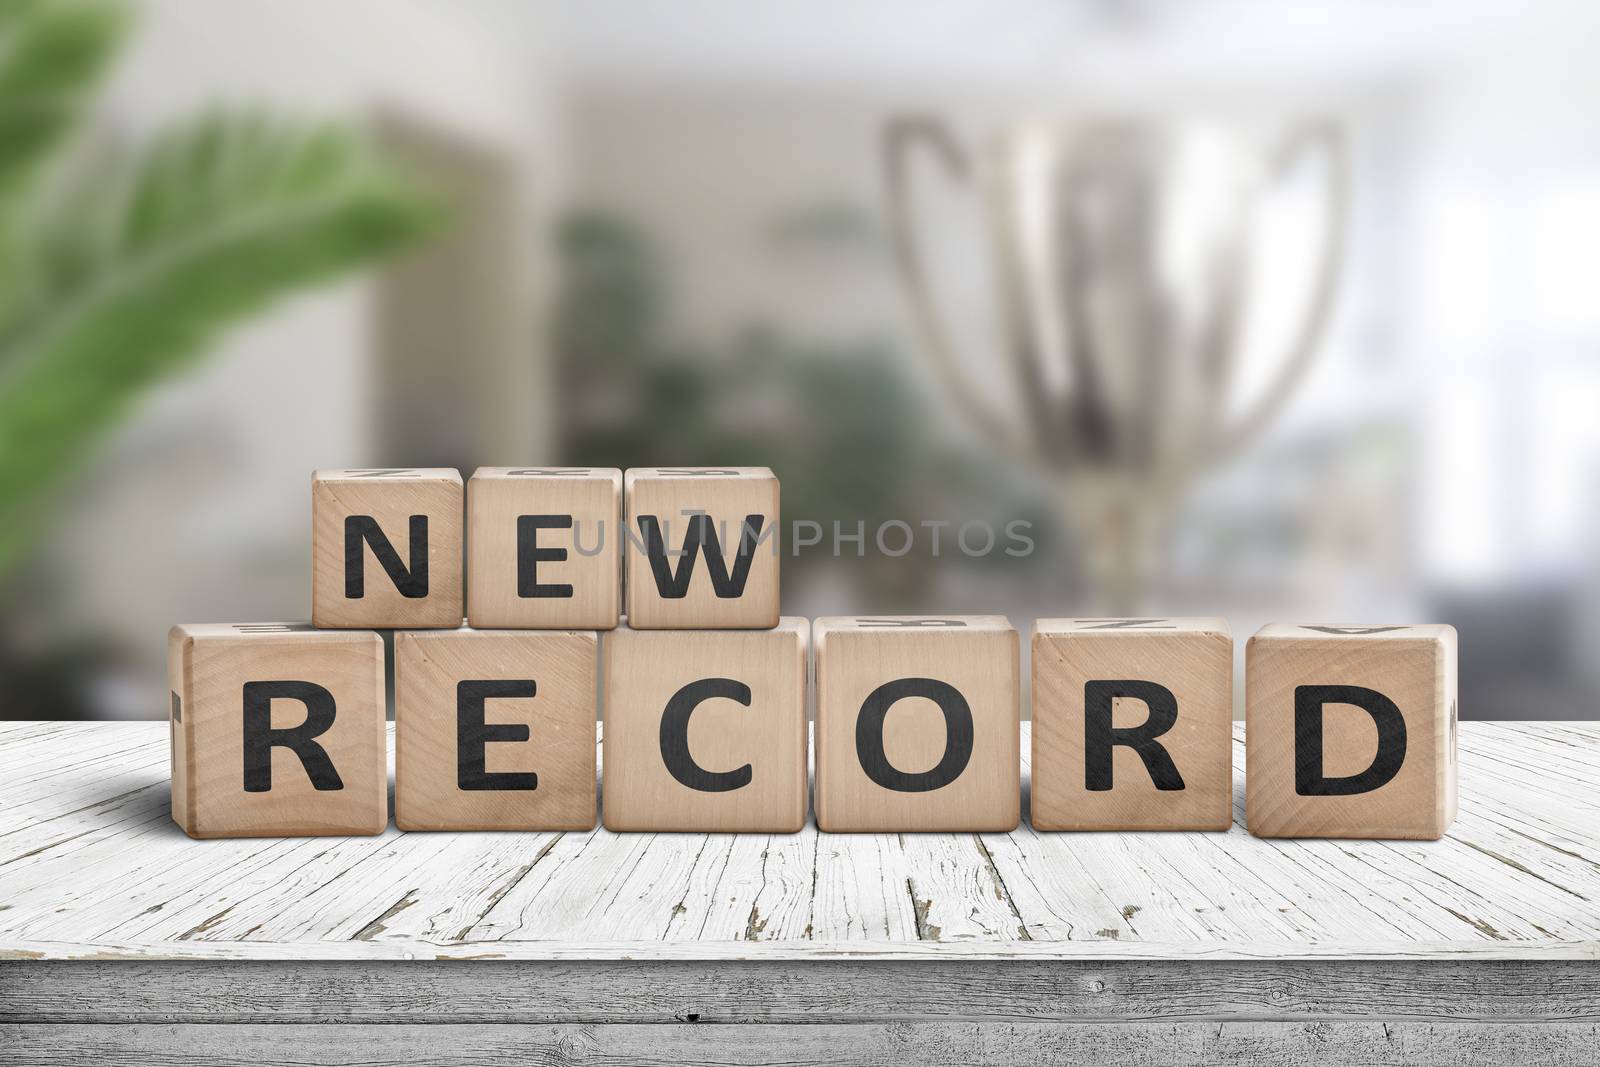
(1099, 736)
(413, 584)
(957, 741)
(1308, 703)
(675, 735)
(260, 738)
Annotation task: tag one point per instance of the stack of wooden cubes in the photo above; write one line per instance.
(279, 728)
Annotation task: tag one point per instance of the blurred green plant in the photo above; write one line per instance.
(118, 268)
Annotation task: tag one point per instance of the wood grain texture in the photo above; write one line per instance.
(392, 498)
(580, 563)
(764, 737)
(727, 496)
(1414, 667)
(211, 669)
(1189, 658)
(972, 661)
(91, 867)
(434, 779)
(786, 991)
(869, 1044)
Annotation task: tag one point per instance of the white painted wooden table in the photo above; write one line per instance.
(122, 940)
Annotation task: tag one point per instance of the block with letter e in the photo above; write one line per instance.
(701, 548)
(917, 724)
(1132, 724)
(705, 730)
(543, 547)
(386, 547)
(494, 729)
(277, 730)
(1350, 731)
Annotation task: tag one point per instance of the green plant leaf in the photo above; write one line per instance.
(136, 279)
(52, 55)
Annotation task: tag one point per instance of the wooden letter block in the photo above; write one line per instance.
(1350, 731)
(542, 547)
(705, 730)
(277, 730)
(917, 724)
(386, 548)
(702, 548)
(494, 729)
(1132, 724)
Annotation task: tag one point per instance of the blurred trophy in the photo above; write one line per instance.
(1122, 252)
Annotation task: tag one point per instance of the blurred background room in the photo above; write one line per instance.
(1271, 310)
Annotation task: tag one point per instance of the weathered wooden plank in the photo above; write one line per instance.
(1422, 1044)
(744, 949)
(98, 868)
(787, 991)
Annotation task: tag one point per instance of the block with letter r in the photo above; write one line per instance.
(1132, 724)
(277, 730)
(701, 548)
(1350, 731)
(386, 547)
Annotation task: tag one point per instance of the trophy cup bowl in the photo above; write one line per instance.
(1121, 252)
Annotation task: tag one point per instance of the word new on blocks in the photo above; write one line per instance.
(278, 729)
(545, 548)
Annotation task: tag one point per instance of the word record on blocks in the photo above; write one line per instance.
(1132, 724)
(1350, 731)
(918, 726)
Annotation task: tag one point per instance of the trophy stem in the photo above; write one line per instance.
(1119, 528)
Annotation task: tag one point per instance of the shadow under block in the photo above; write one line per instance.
(277, 730)
(542, 547)
(917, 724)
(494, 729)
(1350, 731)
(1132, 724)
(386, 548)
(701, 550)
(705, 730)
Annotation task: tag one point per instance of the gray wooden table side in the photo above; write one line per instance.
(123, 941)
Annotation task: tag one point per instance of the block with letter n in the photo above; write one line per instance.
(277, 730)
(1350, 731)
(701, 548)
(1132, 724)
(386, 547)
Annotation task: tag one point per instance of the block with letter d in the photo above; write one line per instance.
(277, 730)
(1350, 731)
(494, 729)
(1132, 724)
(386, 548)
(705, 730)
(701, 548)
(542, 547)
(917, 723)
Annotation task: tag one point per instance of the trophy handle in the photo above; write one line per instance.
(1328, 139)
(901, 136)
